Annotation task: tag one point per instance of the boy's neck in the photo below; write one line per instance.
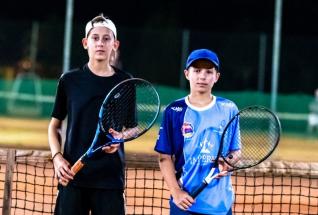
(200, 100)
(101, 69)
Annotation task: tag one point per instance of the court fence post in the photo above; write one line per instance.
(6, 209)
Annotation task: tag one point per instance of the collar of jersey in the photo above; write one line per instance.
(210, 105)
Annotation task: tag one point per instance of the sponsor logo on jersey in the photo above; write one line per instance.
(187, 130)
(177, 109)
(205, 144)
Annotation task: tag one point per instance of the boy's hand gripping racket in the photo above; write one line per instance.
(129, 110)
(257, 130)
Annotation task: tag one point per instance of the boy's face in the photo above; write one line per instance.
(202, 76)
(100, 43)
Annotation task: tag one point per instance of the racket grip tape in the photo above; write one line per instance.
(77, 166)
(198, 190)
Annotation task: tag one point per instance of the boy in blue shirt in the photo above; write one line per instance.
(188, 141)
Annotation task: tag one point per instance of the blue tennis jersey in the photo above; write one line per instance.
(192, 136)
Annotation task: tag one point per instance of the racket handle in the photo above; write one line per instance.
(198, 190)
(77, 166)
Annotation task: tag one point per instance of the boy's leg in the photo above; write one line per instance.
(71, 201)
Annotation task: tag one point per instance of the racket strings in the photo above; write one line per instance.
(116, 110)
(133, 104)
(147, 105)
(258, 136)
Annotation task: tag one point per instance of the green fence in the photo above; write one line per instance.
(33, 97)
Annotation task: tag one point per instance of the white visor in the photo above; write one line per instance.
(105, 23)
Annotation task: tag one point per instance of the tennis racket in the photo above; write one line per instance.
(129, 109)
(257, 131)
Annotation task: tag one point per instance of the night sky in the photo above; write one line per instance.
(299, 16)
(227, 18)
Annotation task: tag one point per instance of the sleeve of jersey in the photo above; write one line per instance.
(59, 108)
(164, 142)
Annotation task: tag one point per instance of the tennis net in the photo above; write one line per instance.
(27, 186)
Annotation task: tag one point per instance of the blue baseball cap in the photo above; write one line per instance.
(203, 54)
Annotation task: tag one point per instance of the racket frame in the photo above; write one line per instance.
(207, 180)
(275, 117)
(94, 148)
(110, 94)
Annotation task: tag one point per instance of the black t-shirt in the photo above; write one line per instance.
(79, 96)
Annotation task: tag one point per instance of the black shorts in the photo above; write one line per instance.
(81, 201)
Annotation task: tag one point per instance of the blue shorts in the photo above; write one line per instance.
(81, 201)
(174, 210)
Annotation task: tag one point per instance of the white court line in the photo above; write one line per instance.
(26, 97)
(293, 116)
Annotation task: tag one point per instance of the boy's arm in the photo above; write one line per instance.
(181, 198)
(224, 167)
(61, 166)
(54, 137)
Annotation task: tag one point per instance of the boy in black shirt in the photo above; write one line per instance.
(97, 188)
